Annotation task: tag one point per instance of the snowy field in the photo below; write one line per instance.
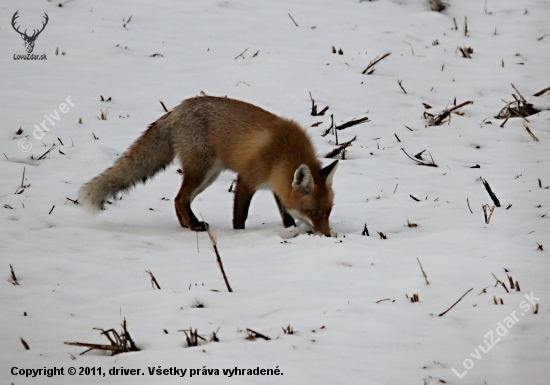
(347, 298)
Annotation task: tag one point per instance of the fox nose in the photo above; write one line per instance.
(326, 232)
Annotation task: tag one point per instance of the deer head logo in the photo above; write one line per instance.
(29, 40)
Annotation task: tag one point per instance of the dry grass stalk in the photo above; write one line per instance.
(530, 133)
(542, 92)
(296, 24)
(218, 258)
(466, 51)
(340, 149)
(119, 343)
(519, 107)
(75, 201)
(446, 311)
(500, 282)
(490, 192)
(288, 330)
(352, 123)
(536, 311)
(437, 6)
(365, 231)
(382, 235)
(519, 93)
(414, 298)
(440, 118)
(192, 337)
(241, 54)
(154, 282)
(382, 300)
(314, 108)
(163, 106)
(25, 344)
(411, 224)
(487, 212)
(420, 162)
(401, 85)
(252, 335)
(103, 114)
(46, 153)
(374, 62)
(13, 278)
(423, 272)
(214, 336)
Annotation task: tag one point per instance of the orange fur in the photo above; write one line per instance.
(210, 134)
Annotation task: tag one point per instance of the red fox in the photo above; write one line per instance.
(210, 134)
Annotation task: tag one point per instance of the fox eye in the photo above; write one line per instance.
(314, 213)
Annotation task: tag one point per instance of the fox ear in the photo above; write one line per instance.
(303, 181)
(328, 172)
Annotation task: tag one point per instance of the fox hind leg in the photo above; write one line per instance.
(197, 177)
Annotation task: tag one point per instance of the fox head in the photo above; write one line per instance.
(311, 197)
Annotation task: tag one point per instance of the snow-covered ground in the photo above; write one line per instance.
(346, 298)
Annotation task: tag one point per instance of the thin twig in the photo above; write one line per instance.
(352, 123)
(541, 92)
(400, 85)
(437, 120)
(502, 283)
(445, 312)
(218, 258)
(417, 161)
(25, 344)
(490, 192)
(252, 333)
(296, 24)
(13, 278)
(376, 60)
(423, 272)
(339, 149)
(530, 133)
(241, 54)
(154, 282)
(519, 93)
(47, 152)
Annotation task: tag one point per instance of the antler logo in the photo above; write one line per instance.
(29, 40)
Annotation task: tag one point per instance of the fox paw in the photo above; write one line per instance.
(201, 226)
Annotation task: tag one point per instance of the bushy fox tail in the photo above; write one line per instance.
(151, 153)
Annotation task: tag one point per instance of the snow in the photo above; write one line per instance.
(78, 272)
